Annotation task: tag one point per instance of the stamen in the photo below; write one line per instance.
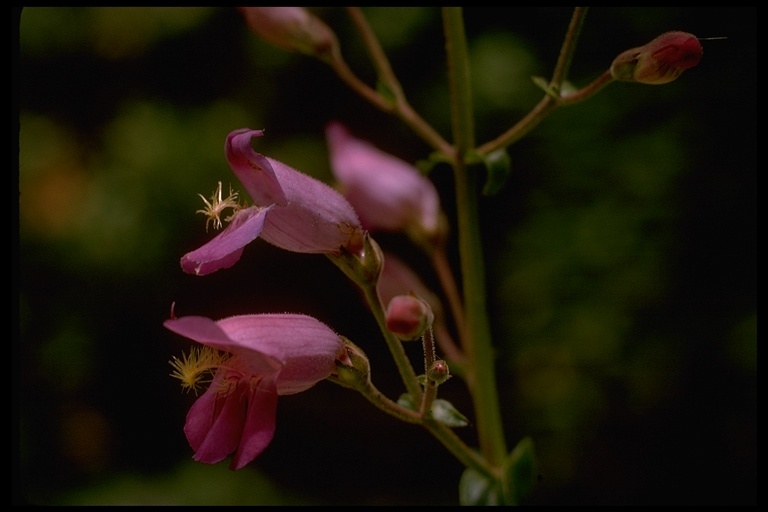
(215, 208)
(199, 363)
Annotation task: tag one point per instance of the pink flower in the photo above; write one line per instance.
(262, 356)
(292, 211)
(388, 194)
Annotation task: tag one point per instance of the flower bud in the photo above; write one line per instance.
(353, 370)
(292, 28)
(438, 371)
(660, 61)
(363, 266)
(408, 316)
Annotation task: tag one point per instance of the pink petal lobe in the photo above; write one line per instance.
(259, 427)
(252, 169)
(215, 423)
(225, 249)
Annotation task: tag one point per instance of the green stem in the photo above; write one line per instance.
(569, 47)
(395, 345)
(386, 76)
(552, 98)
(479, 347)
(451, 291)
(586, 92)
(430, 386)
(525, 125)
(460, 450)
(377, 398)
(375, 52)
(363, 268)
(347, 76)
(355, 374)
(469, 457)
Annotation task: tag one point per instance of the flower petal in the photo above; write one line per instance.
(215, 421)
(252, 169)
(306, 347)
(226, 248)
(239, 420)
(208, 332)
(259, 427)
(387, 192)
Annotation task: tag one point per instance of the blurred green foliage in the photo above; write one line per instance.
(621, 256)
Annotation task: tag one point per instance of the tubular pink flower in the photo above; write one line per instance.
(388, 193)
(271, 355)
(292, 211)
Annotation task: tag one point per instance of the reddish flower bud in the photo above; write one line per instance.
(292, 28)
(408, 317)
(438, 371)
(660, 61)
(352, 367)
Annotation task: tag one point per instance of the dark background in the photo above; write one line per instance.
(621, 256)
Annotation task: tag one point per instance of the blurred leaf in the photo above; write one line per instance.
(520, 471)
(434, 160)
(542, 83)
(477, 489)
(385, 91)
(406, 401)
(442, 410)
(518, 475)
(498, 165)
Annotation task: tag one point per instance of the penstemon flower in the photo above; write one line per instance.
(292, 211)
(252, 360)
(388, 193)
